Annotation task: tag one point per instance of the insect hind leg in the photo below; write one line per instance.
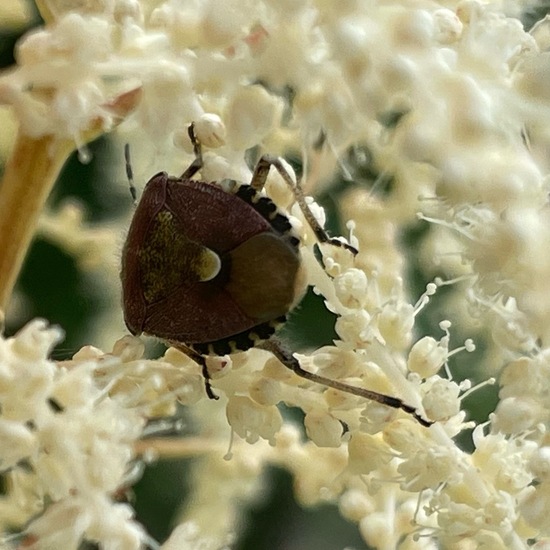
(290, 362)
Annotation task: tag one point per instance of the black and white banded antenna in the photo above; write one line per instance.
(130, 173)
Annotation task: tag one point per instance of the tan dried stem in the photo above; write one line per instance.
(188, 447)
(28, 179)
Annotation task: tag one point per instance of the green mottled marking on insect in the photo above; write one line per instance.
(187, 261)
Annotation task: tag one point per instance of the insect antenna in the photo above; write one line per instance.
(130, 172)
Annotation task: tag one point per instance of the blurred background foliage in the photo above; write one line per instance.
(52, 286)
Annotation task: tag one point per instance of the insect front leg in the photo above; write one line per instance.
(197, 163)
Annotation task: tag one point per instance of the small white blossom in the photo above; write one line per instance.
(323, 429)
(535, 508)
(355, 329)
(441, 398)
(210, 130)
(395, 323)
(18, 440)
(190, 535)
(504, 461)
(427, 356)
(355, 505)
(351, 288)
(267, 391)
(430, 467)
(518, 414)
(540, 463)
(252, 421)
(252, 113)
(367, 453)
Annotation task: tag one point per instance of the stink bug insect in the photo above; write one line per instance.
(214, 268)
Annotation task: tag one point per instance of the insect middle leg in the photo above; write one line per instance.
(259, 178)
(201, 361)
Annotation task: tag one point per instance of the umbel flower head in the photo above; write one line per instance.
(431, 111)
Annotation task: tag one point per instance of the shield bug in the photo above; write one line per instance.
(214, 268)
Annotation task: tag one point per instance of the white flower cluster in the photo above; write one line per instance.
(66, 448)
(451, 100)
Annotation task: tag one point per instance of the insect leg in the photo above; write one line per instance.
(290, 362)
(197, 163)
(259, 178)
(201, 361)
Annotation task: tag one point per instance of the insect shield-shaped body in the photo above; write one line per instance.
(215, 267)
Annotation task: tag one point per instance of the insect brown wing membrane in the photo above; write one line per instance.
(262, 276)
(133, 299)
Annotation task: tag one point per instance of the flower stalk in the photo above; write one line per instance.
(29, 177)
